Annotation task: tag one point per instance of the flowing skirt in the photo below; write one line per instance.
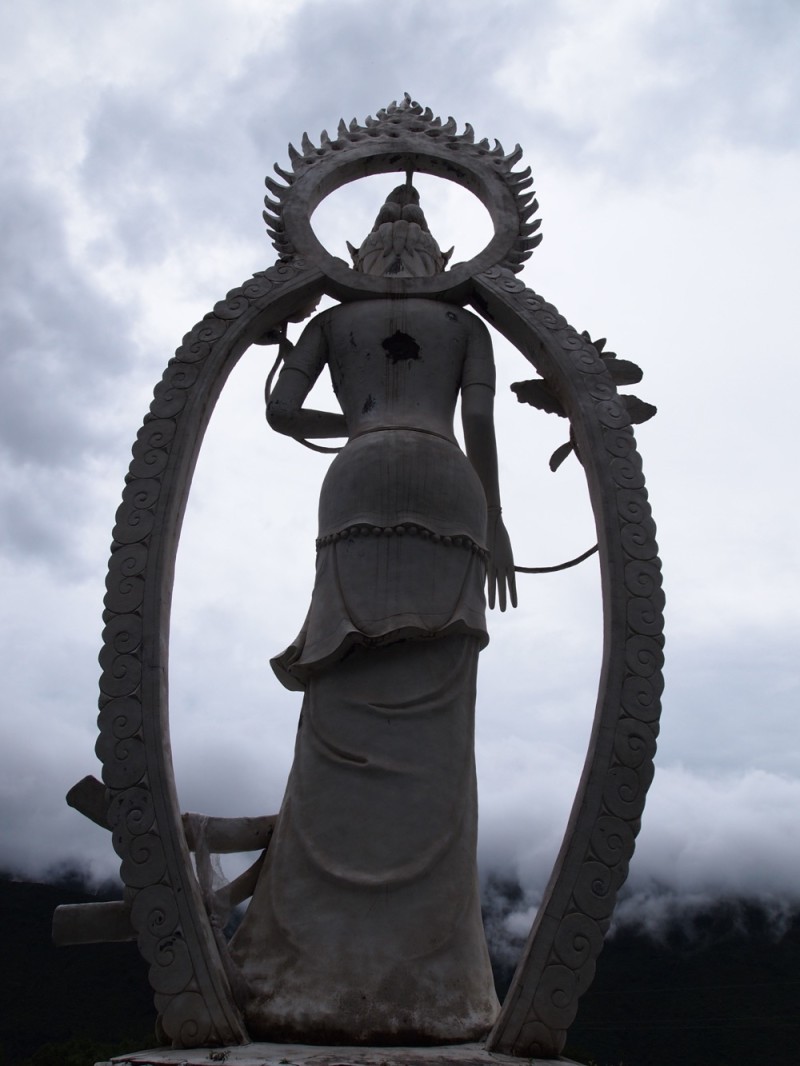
(365, 926)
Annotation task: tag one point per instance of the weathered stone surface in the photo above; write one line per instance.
(312, 1055)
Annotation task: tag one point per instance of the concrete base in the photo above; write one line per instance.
(315, 1055)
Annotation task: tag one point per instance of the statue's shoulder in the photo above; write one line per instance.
(474, 321)
(414, 305)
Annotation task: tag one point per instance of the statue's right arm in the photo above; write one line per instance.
(285, 411)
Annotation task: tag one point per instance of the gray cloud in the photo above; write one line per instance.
(63, 338)
(156, 178)
(67, 353)
(726, 686)
(635, 94)
(731, 70)
(705, 839)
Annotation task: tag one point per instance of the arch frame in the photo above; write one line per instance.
(188, 975)
(194, 990)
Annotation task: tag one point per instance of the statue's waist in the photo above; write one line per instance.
(404, 429)
(398, 475)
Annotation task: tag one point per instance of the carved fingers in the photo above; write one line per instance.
(502, 582)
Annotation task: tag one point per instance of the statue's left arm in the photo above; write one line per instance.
(285, 411)
(477, 416)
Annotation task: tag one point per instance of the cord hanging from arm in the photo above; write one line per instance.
(284, 348)
(560, 566)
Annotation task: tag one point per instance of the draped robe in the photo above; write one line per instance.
(365, 925)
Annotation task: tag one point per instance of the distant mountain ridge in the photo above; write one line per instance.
(721, 988)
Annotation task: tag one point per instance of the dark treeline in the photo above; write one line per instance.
(718, 989)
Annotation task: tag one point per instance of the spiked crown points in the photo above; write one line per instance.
(410, 123)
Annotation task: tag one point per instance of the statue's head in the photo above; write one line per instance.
(400, 244)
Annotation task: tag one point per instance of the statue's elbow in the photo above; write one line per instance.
(280, 417)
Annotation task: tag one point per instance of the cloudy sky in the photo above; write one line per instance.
(664, 140)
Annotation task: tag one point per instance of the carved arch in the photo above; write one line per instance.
(193, 995)
(192, 991)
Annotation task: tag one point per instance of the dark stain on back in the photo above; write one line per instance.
(400, 346)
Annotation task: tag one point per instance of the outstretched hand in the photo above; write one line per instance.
(501, 579)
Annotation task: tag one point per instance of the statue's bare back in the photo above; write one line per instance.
(400, 363)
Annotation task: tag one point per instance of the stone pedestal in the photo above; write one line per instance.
(315, 1055)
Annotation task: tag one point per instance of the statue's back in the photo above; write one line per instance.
(397, 362)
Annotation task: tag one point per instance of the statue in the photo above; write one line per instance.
(364, 922)
(372, 869)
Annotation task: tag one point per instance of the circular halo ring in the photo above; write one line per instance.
(338, 169)
(403, 138)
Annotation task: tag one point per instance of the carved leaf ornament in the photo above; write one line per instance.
(194, 991)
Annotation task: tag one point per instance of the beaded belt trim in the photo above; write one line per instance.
(401, 530)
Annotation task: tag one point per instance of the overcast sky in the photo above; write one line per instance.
(664, 140)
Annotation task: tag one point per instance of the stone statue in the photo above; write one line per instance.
(371, 876)
(364, 923)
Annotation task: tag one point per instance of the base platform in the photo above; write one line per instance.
(316, 1055)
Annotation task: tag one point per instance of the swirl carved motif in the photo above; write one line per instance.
(191, 991)
(567, 936)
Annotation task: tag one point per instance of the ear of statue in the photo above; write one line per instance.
(353, 252)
